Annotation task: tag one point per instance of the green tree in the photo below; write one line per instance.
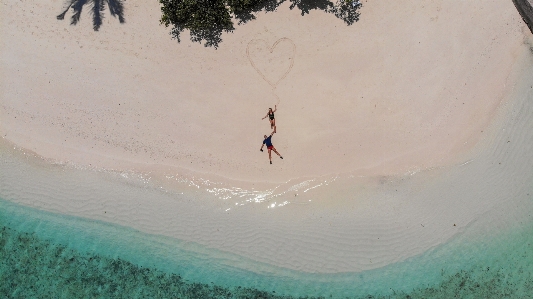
(116, 8)
(207, 19)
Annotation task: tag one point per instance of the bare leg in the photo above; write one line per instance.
(275, 151)
(270, 156)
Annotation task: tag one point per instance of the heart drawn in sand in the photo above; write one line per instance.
(272, 63)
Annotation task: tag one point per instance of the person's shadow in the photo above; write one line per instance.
(116, 8)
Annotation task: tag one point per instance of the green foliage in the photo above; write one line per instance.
(207, 19)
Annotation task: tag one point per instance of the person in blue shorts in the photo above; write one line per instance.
(268, 142)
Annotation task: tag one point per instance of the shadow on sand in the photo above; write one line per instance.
(207, 19)
(344, 10)
(116, 8)
(525, 9)
(216, 16)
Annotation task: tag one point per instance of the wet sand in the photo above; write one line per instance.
(385, 127)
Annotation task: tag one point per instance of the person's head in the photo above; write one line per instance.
(270, 109)
(265, 136)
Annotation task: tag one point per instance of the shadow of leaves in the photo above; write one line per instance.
(97, 8)
(206, 20)
(345, 10)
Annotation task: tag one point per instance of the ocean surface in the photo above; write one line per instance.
(46, 254)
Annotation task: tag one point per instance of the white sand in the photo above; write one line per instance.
(412, 86)
(407, 87)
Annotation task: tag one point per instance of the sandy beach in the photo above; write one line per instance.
(410, 93)
(385, 126)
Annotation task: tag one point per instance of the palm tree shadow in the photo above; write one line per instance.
(116, 9)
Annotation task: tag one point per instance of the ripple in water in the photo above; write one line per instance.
(47, 255)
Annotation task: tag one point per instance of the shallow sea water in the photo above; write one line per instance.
(46, 255)
(49, 255)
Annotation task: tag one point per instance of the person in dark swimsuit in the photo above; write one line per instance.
(270, 115)
(268, 142)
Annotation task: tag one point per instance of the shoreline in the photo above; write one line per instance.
(365, 223)
(378, 113)
(420, 272)
(321, 222)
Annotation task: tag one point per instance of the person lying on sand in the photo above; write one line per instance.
(268, 142)
(270, 115)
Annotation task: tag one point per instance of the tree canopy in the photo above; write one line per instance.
(207, 19)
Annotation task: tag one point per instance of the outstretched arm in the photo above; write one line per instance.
(261, 149)
(265, 116)
(275, 108)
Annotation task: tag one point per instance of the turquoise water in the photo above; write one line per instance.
(49, 255)
(46, 255)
